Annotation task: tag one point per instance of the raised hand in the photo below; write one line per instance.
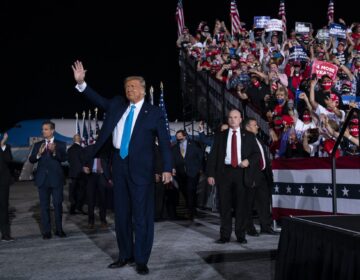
(79, 72)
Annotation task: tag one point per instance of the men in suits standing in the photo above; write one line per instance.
(5, 182)
(133, 126)
(49, 177)
(78, 181)
(233, 159)
(259, 194)
(188, 158)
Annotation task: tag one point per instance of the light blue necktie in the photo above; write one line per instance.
(125, 140)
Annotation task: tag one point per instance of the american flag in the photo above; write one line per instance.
(85, 135)
(180, 17)
(91, 131)
(163, 109)
(282, 14)
(235, 18)
(330, 11)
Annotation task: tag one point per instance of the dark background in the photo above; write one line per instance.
(40, 41)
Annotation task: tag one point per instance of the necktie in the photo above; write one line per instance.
(125, 140)
(182, 150)
(234, 156)
(47, 146)
(262, 158)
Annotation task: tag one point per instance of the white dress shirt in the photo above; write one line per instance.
(118, 131)
(262, 154)
(119, 128)
(228, 146)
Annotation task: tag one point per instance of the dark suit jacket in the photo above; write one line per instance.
(268, 170)
(49, 165)
(104, 156)
(5, 157)
(192, 163)
(149, 124)
(75, 159)
(249, 151)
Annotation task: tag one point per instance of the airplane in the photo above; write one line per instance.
(25, 133)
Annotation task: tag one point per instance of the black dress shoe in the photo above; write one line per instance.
(241, 240)
(121, 263)
(252, 232)
(60, 233)
(222, 240)
(7, 238)
(268, 231)
(46, 235)
(142, 269)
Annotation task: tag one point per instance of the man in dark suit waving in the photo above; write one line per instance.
(231, 164)
(133, 126)
(49, 177)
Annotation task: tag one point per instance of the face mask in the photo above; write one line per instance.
(280, 100)
(306, 118)
(354, 131)
(256, 83)
(326, 86)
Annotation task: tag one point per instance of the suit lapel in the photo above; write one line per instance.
(140, 120)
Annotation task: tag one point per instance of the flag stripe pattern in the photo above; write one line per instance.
(235, 18)
(180, 17)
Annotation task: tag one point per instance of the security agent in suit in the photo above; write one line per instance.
(77, 191)
(5, 181)
(98, 170)
(259, 193)
(188, 158)
(49, 177)
(133, 125)
(232, 163)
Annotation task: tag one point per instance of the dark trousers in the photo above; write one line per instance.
(165, 201)
(188, 186)
(232, 191)
(45, 192)
(4, 210)
(259, 197)
(96, 194)
(77, 192)
(134, 213)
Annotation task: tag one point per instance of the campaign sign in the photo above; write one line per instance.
(323, 34)
(346, 99)
(273, 25)
(337, 31)
(260, 21)
(321, 68)
(298, 53)
(302, 27)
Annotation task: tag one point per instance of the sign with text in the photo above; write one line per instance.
(323, 34)
(298, 53)
(337, 30)
(273, 25)
(346, 99)
(321, 68)
(302, 27)
(261, 21)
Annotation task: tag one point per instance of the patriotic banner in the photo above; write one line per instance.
(323, 34)
(282, 14)
(321, 68)
(304, 187)
(298, 53)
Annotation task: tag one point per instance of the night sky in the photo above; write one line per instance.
(40, 41)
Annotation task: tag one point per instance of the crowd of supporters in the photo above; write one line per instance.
(304, 111)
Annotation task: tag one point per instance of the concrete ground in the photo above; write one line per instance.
(182, 249)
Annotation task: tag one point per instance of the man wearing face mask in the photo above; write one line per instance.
(188, 159)
(257, 91)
